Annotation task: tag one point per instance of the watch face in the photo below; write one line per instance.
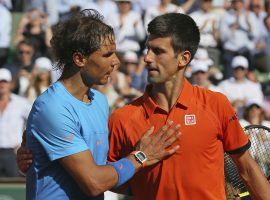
(140, 156)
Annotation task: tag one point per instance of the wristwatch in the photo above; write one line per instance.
(140, 157)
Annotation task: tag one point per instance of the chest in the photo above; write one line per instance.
(200, 129)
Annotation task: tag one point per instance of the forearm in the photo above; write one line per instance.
(95, 179)
(253, 177)
(255, 181)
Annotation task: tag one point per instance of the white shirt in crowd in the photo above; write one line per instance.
(246, 90)
(129, 33)
(12, 121)
(154, 11)
(5, 26)
(209, 20)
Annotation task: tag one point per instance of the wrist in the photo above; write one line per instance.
(125, 170)
(140, 158)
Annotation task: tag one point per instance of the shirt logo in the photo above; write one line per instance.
(190, 119)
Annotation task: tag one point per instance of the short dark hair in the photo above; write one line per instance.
(182, 28)
(83, 32)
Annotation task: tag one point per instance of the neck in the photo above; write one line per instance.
(166, 94)
(75, 86)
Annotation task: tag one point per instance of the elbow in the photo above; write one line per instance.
(94, 189)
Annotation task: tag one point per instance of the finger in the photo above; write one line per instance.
(162, 130)
(171, 140)
(172, 151)
(170, 132)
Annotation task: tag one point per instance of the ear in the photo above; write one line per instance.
(183, 59)
(78, 59)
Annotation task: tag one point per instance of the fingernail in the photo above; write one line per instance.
(170, 122)
(177, 126)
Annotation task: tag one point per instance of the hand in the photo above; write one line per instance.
(24, 157)
(156, 146)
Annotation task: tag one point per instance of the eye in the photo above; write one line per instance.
(157, 51)
(107, 55)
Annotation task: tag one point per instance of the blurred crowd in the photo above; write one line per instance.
(233, 58)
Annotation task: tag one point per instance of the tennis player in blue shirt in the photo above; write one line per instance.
(67, 127)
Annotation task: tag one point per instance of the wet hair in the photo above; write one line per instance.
(181, 28)
(83, 32)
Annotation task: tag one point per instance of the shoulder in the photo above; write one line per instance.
(209, 98)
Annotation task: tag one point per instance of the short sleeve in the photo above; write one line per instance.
(233, 136)
(56, 129)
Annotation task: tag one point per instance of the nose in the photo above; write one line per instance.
(147, 57)
(115, 62)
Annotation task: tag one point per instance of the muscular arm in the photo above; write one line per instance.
(92, 179)
(252, 175)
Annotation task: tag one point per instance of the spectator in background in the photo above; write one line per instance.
(200, 76)
(260, 53)
(208, 23)
(239, 31)
(41, 78)
(68, 7)
(267, 42)
(135, 68)
(14, 111)
(128, 27)
(202, 57)
(5, 33)
(49, 7)
(22, 66)
(104, 7)
(254, 114)
(238, 89)
(34, 27)
(166, 6)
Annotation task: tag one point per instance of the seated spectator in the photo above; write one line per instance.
(208, 22)
(254, 114)
(238, 31)
(267, 42)
(260, 59)
(238, 88)
(128, 27)
(14, 111)
(46, 6)
(214, 72)
(135, 68)
(200, 76)
(104, 7)
(41, 78)
(34, 27)
(5, 33)
(166, 6)
(22, 66)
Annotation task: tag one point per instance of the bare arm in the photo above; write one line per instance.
(94, 179)
(187, 5)
(252, 175)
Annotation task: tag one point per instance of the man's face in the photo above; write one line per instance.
(239, 73)
(100, 64)
(160, 60)
(4, 87)
(206, 5)
(200, 77)
(26, 53)
(238, 4)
